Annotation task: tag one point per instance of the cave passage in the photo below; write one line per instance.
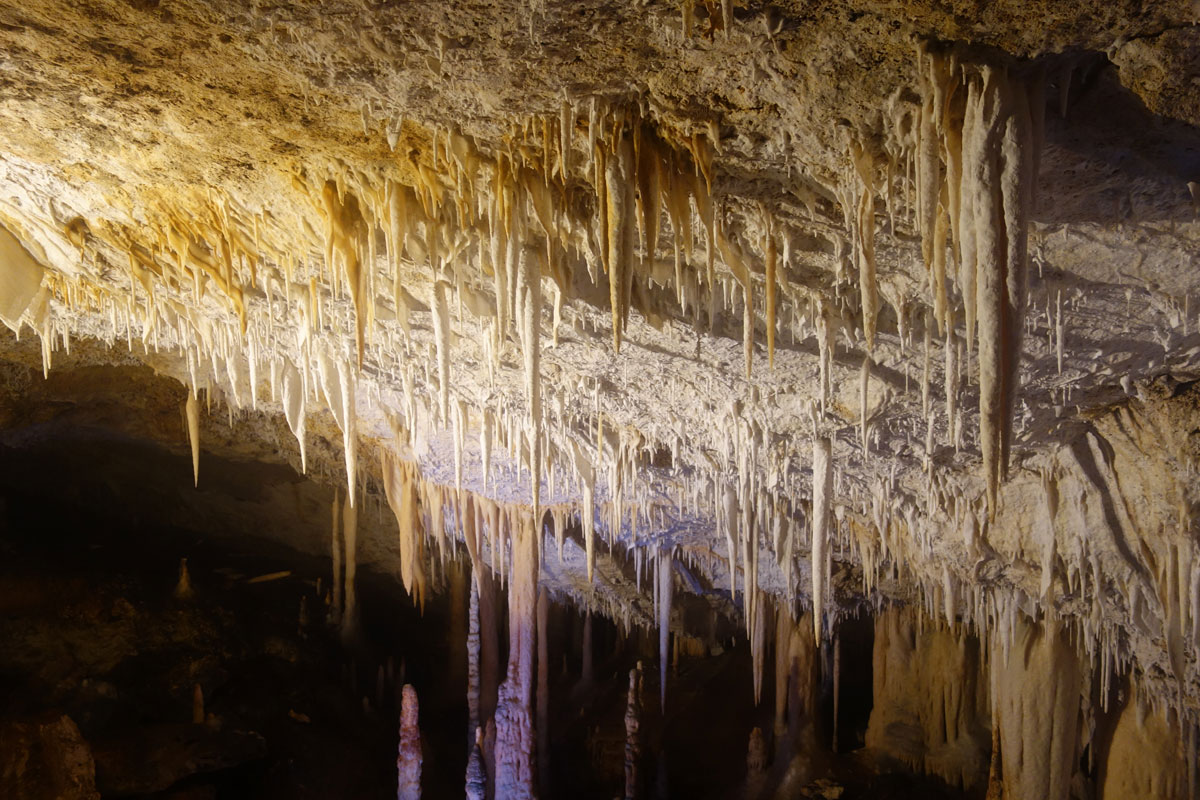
(238, 680)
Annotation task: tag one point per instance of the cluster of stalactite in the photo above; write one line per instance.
(1020, 710)
(599, 205)
(595, 198)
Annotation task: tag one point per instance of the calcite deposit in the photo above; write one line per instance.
(836, 309)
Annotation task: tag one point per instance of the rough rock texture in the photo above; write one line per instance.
(45, 759)
(483, 258)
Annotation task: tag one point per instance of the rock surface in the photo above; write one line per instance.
(46, 759)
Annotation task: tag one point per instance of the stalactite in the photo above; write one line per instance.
(864, 225)
(822, 500)
(930, 700)
(951, 383)
(338, 384)
(402, 497)
(758, 637)
(825, 350)
(294, 409)
(730, 525)
(530, 283)
(619, 185)
(587, 511)
(345, 228)
(441, 335)
(408, 755)
(192, 412)
(997, 187)
(1036, 697)
(772, 267)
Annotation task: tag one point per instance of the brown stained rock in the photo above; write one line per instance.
(46, 759)
(1161, 69)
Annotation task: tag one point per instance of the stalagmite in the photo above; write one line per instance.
(822, 499)
(408, 755)
(198, 705)
(476, 774)
(183, 587)
(758, 632)
(756, 756)
(543, 690)
(484, 589)
(633, 741)
(514, 724)
(473, 665)
(192, 411)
